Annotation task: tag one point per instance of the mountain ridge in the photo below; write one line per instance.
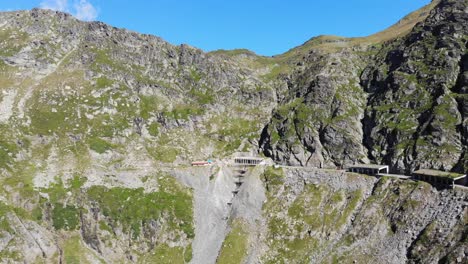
(99, 125)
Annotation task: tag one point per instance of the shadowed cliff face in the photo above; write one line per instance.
(318, 123)
(98, 125)
(415, 114)
(400, 102)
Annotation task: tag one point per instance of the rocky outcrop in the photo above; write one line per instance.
(318, 123)
(413, 117)
(332, 216)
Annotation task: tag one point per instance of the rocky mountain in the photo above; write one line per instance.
(98, 126)
(392, 102)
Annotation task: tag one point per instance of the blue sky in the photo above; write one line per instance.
(267, 27)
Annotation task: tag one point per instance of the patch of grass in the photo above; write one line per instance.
(296, 250)
(12, 42)
(149, 105)
(36, 214)
(202, 97)
(275, 137)
(103, 82)
(230, 132)
(153, 129)
(99, 145)
(163, 153)
(277, 227)
(77, 182)
(351, 205)
(103, 58)
(65, 217)
(284, 110)
(273, 178)
(132, 208)
(45, 122)
(232, 53)
(8, 151)
(188, 254)
(53, 113)
(183, 112)
(72, 250)
(109, 125)
(75, 252)
(164, 254)
(276, 71)
(6, 255)
(4, 224)
(234, 248)
(306, 205)
(22, 181)
(57, 191)
(104, 226)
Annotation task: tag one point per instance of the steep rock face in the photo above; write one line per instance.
(315, 216)
(318, 123)
(414, 118)
(400, 102)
